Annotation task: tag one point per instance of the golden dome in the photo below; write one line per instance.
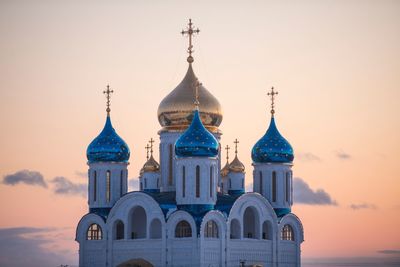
(225, 170)
(236, 165)
(151, 165)
(175, 111)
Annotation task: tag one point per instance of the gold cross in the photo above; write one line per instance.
(108, 93)
(227, 153)
(151, 146)
(190, 31)
(147, 147)
(236, 143)
(272, 94)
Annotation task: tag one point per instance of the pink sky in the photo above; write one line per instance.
(336, 65)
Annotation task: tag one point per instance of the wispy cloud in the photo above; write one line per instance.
(134, 184)
(32, 243)
(307, 157)
(63, 186)
(25, 177)
(343, 155)
(363, 206)
(303, 194)
(81, 174)
(390, 251)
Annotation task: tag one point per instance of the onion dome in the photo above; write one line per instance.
(151, 165)
(175, 111)
(196, 141)
(225, 170)
(236, 165)
(108, 146)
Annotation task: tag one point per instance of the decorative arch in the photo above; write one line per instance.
(175, 217)
(251, 223)
(137, 223)
(155, 229)
(183, 229)
(235, 229)
(119, 230)
(136, 262)
(84, 224)
(296, 226)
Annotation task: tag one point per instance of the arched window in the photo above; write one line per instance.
(250, 223)
(94, 232)
(108, 186)
(287, 233)
(183, 229)
(183, 181)
(273, 186)
(121, 183)
(235, 229)
(287, 191)
(155, 229)
(211, 181)
(119, 230)
(95, 186)
(211, 230)
(158, 183)
(138, 223)
(197, 181)
(261, 183)
(170, 148)
(267, 230)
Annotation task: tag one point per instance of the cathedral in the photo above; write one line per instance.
(189, 210)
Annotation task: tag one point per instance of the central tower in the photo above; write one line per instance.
(175, 114)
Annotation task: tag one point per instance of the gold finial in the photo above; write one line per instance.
(227, 153)
(196, 94)
(147, 147)
(190, 31)
(151, 146)
(236, 145)
(272, 95)
(108, 93)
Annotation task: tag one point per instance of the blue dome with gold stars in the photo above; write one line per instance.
(196, 141)
(108, 146)
(272, 147)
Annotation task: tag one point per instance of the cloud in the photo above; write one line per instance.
(303, 194)
(63, 186)
(134, 184)
(363, 206)
(307, 157)
(25, 177)
(26, 246)
(389, 251)
(343, 155)
(81, 174)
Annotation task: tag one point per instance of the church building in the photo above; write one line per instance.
(189, 211)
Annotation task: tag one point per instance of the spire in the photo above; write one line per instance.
(108, 93)
(189, 32)
(227, 153)
(272, 95)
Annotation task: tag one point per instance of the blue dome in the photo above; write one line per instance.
(108, 146)
(272, 147)
(196, 141)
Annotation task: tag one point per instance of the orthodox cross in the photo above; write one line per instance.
(236, 144)
(147, 147)
(151, 146)
(189, 32)
(272, 95)
(108, 93)
(196, 93)
(227, 153)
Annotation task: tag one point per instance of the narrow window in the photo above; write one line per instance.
(261, 183)
(145, 183)
(183, 181)
(242, 183)
(287, 186)
(158, 183)
(141, 186)
(273, 186)
(291, 187)
(230, 183)
(95, 186)
(197, 181)
(211, 181)
(108, 184)
(121, 183)
(170, 164)
(222, 187)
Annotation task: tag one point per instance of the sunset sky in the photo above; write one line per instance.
(335, 64)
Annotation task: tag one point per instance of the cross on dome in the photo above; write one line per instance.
(147, 147)
(272, 95)
(189, 32)
(236, 145)
(227, 153)
(151, 145)
(108, 93)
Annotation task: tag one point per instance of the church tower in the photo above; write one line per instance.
(150, 173)
(272, 159)
(235, 177)
(196, 166)
(175, 114)
(108, 158)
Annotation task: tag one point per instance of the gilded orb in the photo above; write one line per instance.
(175, 111)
